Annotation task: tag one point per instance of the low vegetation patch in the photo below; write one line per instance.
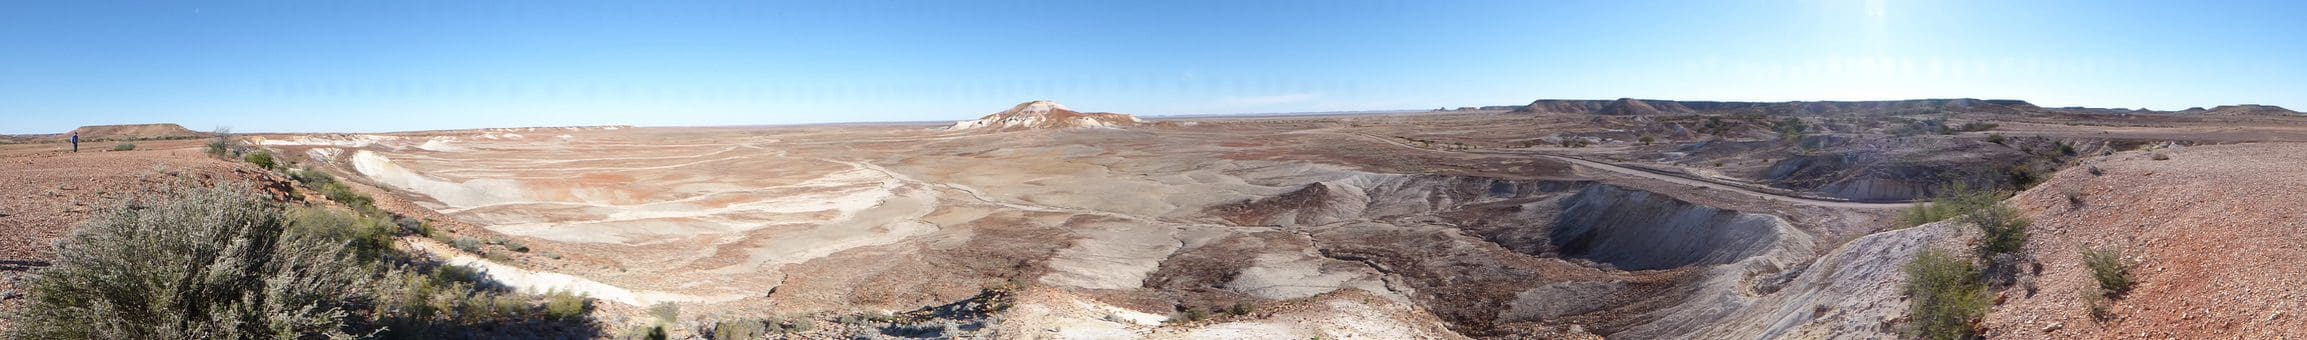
(124, 147)
(1945, 296)
(194, 262)
(262, 159)
(2108, 269)
(223, 262)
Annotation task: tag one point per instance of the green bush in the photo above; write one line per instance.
(311, 177)
(261, 159)
(368, 237)
(2002, 229)
(1944, 295)
(2108, 269)
(192, 262)
(566, 305)
(124, 147)
(1951, 201)
(345, 195)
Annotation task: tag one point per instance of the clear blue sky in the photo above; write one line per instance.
(435, 64)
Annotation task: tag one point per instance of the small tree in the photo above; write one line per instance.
(222, 145)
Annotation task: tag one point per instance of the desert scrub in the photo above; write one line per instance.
(369, 238)
(566, 305)
(2003, 230)
(1951, 201)
(467, 244)
(193, 262)
(124, 147)
(666, 312)
(737, 329)
(1944, 295)
(341, 194)
(2108, 269)
(261, 159)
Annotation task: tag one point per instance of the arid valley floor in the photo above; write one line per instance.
(1560, 219)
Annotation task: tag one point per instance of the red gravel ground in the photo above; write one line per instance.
(2214, 233)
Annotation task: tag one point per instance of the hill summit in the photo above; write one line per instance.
(1044, 114)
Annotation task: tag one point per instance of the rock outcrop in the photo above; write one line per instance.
(1043, 114)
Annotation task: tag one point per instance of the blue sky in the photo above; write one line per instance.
(437, 64)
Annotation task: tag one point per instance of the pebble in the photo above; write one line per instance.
(2054, 327)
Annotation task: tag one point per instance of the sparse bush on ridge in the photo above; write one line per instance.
(2003, 229)
(2108, 269)
(1944, 295)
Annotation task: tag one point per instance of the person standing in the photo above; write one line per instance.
(76, 142)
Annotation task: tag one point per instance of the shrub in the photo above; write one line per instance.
(222, 146)
(1646, 140)
(737, 329)
(1996, 138)
(1242, 308)
(2003, 230)
(1196, 314)
(261, 159)
(124, 147)
(2162, 157)
(192, 262)
(311, 177)
(1944, 294)
(2108, 269)
(566, 305)
(342, 194)
(666, 312)
(467, 244)
(1951, 201)
(368, 238)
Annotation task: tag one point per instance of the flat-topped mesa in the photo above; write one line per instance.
(2243, 110)
(1630, 106)
(1043, 114)
(134, 132)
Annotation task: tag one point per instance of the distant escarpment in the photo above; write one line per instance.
(1629, 106)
